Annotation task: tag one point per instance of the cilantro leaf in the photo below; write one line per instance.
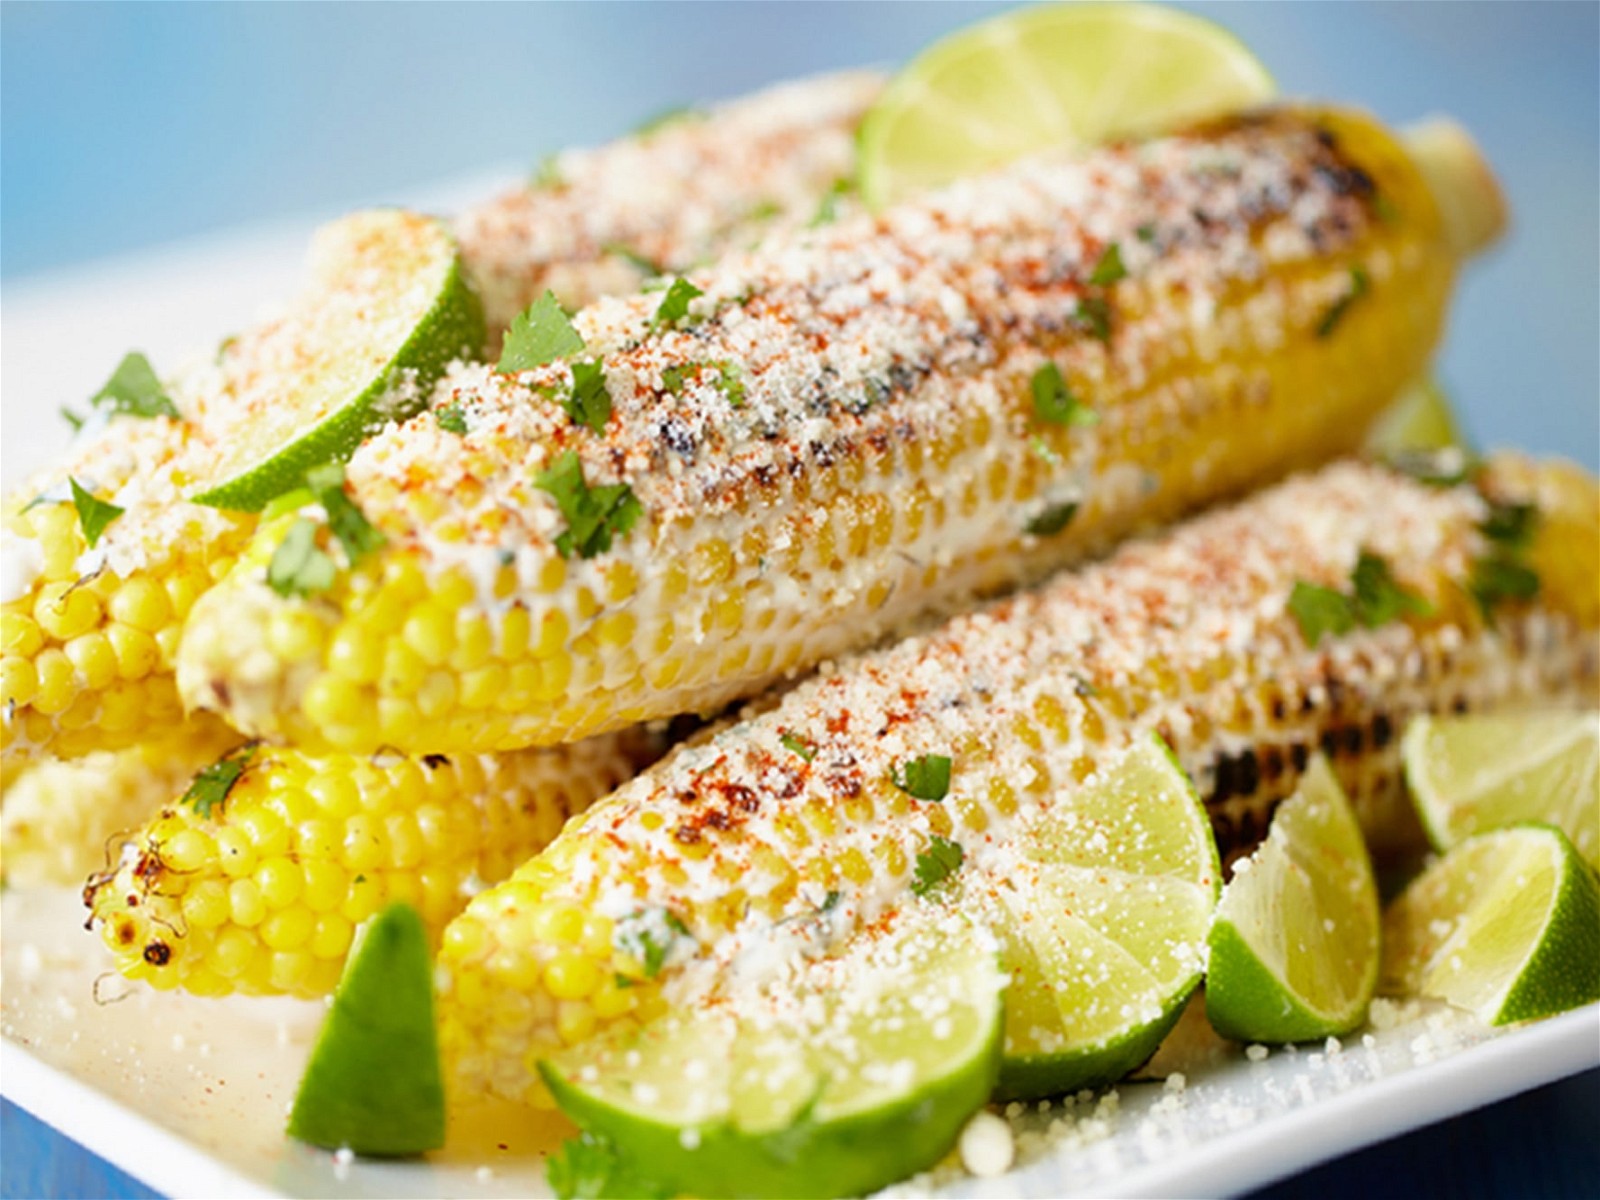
(359, 536)
(211, 785)
(71, 418)
(300, 567)
(1053, 401)
(1146, 233)
(798, 745)
(537, 336)
(942, 859)
(828, 210)
(1094, 314)
(1378, 597)
(548, 173)
(589, 1167)
(1510, 525)
(594, 514)
(1109, 268)
(926, 777)
(1498, 577)
(1052, 520)
(1319, 610)
(1360, 282)
(451, 417)
(589, 403)
(649, 935)
(728, 380)
(674, 305)
(134, 389)
(93, 515)
(676, 114)
(643, 262)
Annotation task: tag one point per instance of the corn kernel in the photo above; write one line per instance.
(245, 903)
(141, 603)
(19, 633)
(207, 905)
(19, 682)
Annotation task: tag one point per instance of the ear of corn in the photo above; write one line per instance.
(258, 886)
(726, 853)
(58, 816)
(848, 429)
(679, 192)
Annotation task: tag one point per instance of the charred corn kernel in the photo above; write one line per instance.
(261, 893)
(59, 816)
(1234, 350)
(1152, 619)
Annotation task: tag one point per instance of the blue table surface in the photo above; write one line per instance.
(128, 125)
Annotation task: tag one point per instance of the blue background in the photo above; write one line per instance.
(127, 125)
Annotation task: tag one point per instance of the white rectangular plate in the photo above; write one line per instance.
(190, 1095)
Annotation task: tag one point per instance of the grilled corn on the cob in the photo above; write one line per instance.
(683, 191)
(58, 816)
(1211, 636)
(846, 430)
(255, 881)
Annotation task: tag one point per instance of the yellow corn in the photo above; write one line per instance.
(854, 427)
(58, 816)
(714, 853)
(87, 647)
(600, 222)
(260, 892)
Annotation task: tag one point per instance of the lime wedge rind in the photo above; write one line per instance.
(1505, 925)
(1049, 77)
(1294, 948)
(861, 1085)
(267, 456)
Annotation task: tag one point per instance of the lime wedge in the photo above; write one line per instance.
(1507, 924)
(387, 310)
(1470, 774)
(1294, 948)
(1102, 920)
(373, 1084)
(1420, 419)
(1059, 75)
(836, 1079)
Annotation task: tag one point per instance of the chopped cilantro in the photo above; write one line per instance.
(926, 777)
(1320, 610)
(728, 380)
(1094, 314)
(451, 418)
(589, 1167)
(675, 115)
(764, 211)
(211, 785)
(93, 515)
(537, 336)
(300, 567)
(1146, 233)
(1379, 598)
(594, 514)
(1052, 520)
(648, 935)
(1109, 268)
(1042, 448)
(1497, 577)
(1053, 401)
(831, 901)
(1376, 598)
(674, 306)
(71, 418)
(589, 402)
(942, 859)
(828, 210)
(1359, 284)
(1510, 525)
(548, 173)
(134, 389)
(643, 262)
(798, 745)
(359, 536)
